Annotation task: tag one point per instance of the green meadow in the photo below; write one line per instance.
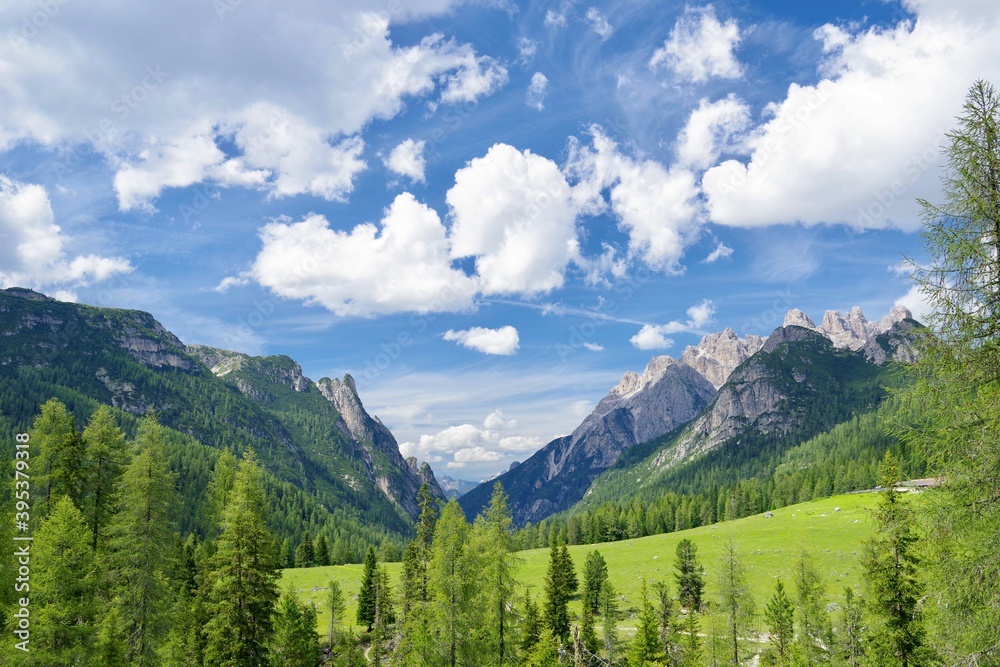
(769, 546)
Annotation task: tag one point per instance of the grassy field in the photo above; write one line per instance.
(770, 547)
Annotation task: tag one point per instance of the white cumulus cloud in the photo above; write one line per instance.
(503, 341)
(657, 206)
(654, 336)
(399, 265)
(463, 444)
(700, 47)
(599, 23)
(512, 211)
(33, 247)
(711, 128)
(833, 152)
(407, 159)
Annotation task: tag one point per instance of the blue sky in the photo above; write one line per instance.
(488, 211)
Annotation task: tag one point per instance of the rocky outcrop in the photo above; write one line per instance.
(719, 354)
(398, 478)
(853, 331)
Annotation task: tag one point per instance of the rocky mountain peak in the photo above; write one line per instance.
(718, 354)
(796, 318)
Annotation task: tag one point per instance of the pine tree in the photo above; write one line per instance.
(104, 460)
(321, 551)
(667, 617)
(896, 635)
(735, 600)
(779, 617)
(304, 555)
(366, 596)
(384, 618)
(450, 584)
(493, 549)
(295, 640)
(531, 624)
(610, 615)
(558, 591)
(426, 523)
(957, 394)
(851, 629)
(595, 573)
(815, 635)
(242, 579)
(690, 581)
(59, 456)
(411, 580)
(62, 591)
(336, 606)
(646, 649)
(140, 536)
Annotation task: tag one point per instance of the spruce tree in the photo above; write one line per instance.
(595, 572)
(62, 594)
(531, 624)
(779, 617)
(295, 642)
(451, 584)
(385, 617)
(896, 634)
(104, 460)
(493, 549)
(321, 551)
(304, 554)
(140, 538)
(851, 629)
(690, 581)
(59, 453)
(426, 523)
(646, 649)
(241, 585)
(336, 606)
(557, 595)
(957, 394)
(366, 596)
(667, 616)
(815, 635)
(608, 603)
(735, 601)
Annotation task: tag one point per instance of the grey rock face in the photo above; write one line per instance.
(400, 479)
(719, 354)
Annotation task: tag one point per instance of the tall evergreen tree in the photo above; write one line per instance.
(336, 606)
(62, 592)
(426, 523)
(411, 580)
(104, 460)
(385, 617)
(646, 649)
(815, 629)
(896, 635)
(735, 600)
(304, 554)
(321, 551)
(369, 589)
(451, 584)
(779, 614)
(595, 573)
(59, 454)
(560, 582)
(242, 579)
(851, 629)
(295, 642)
(669, 627)
(610, 616)
(958, 388)
(690, 580)
(531, 624)
(493, 549)
(140, 540)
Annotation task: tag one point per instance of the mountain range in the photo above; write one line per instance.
(802, 379)
(724, 399)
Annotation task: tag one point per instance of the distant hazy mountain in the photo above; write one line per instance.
(456, 488)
